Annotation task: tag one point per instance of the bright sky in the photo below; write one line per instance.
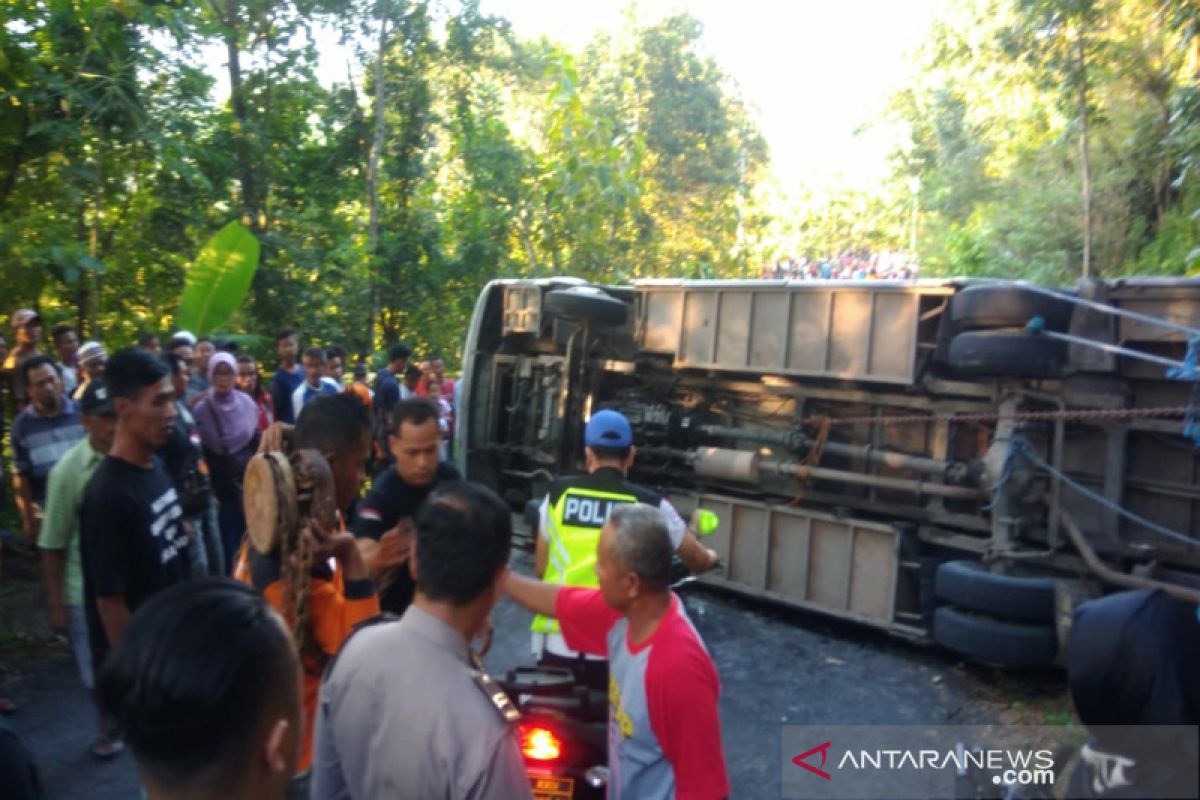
(816, 74)
(813, 71)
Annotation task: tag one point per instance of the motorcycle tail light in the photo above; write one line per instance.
(540, 744)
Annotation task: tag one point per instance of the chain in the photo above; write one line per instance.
(1074, 415)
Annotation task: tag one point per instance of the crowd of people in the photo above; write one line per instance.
(343, 660)
(856, 265)
(222, 405)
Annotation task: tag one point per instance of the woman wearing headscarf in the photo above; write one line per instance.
(249, 382)
(228, 423)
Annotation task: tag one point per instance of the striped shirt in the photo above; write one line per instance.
(39, 442)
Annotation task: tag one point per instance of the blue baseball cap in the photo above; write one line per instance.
(608, 429)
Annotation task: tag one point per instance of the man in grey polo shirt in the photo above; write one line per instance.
(41, 435)
(405, 710)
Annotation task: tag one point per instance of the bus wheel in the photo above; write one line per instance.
(587, 304)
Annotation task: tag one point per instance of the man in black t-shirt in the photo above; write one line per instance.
(387, 394)
(289, 376)
(383, 525)
(133, 542)
(183, 458)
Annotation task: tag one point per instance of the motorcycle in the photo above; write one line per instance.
(564, 723)
(563, 732)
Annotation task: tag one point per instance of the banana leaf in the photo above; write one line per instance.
(218, 280)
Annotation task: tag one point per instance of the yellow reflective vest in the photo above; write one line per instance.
(578, 508)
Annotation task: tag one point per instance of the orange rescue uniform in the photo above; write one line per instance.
(335, 606)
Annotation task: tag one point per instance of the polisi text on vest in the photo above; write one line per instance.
(588, 512)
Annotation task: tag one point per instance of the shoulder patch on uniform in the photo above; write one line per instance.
(496, 696)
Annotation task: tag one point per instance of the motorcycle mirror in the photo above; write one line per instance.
(597, 777)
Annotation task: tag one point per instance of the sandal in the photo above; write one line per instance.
(106, 749)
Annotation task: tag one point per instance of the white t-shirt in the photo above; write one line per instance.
(69, 378)
(305, 393)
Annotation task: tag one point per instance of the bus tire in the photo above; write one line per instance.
(587, 304)
(1007, 354)
(969, 585)
(994, 641)
(1008, 306)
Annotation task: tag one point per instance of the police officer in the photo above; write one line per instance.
(384, 518)
(405, 710)
(569, 524)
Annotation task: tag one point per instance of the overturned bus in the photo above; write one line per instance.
(956, 460)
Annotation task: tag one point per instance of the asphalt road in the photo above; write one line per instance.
(776, 667)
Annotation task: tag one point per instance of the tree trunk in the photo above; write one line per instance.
(373, 178)
(1085, 165)
(82, 289)
(11, 170)
(237, 103)
(92, 278)
(1086, 180)
(263, 179)
(1162, 172)
(91, 209)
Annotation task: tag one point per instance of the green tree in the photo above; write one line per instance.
(1064, 40)
(380, 209)
(1047, 137)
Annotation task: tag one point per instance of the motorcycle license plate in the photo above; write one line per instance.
(553, 788)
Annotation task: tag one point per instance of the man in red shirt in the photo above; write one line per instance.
(664, 730)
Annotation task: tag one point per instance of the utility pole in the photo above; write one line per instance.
(383, 8)
(914, 188)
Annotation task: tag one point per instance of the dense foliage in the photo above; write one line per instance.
(1056, 138)
(1043, 138)
(455, 152)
